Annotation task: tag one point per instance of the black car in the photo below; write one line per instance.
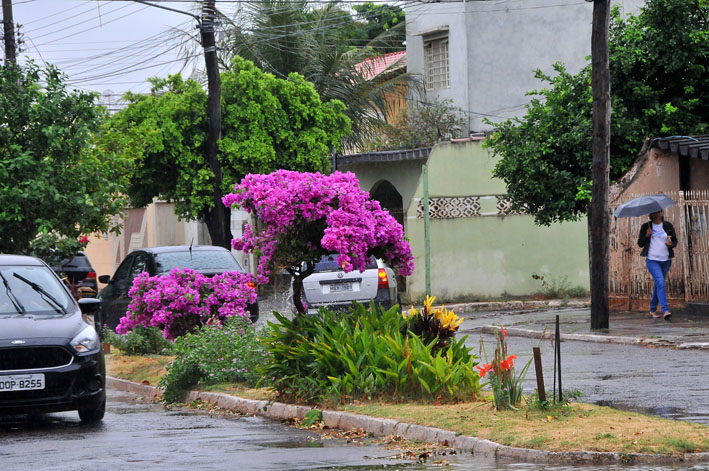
(205, 259)
(50, 355)
(79, 275)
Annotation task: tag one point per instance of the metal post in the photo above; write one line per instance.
(558, 357)
(426, 229)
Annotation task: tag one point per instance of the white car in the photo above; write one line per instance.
(334, 289)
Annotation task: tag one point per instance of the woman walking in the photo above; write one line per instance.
(658, 238)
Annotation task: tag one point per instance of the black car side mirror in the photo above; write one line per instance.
(89, 305)
(105, 279)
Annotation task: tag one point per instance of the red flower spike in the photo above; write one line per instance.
(484, 369)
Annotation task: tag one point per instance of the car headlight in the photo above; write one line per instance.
(87, 341)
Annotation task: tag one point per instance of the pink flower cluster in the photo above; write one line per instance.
(186, 299)
(305, 214)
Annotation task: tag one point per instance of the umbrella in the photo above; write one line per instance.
(643, 205)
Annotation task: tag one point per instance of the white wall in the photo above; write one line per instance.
(495, 46)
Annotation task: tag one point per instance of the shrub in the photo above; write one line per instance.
(364, 353)
(214, 354)
(140, 341)
(186, 299)
(432, 323)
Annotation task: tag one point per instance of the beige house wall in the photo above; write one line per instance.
(659, 173)
(152, 226)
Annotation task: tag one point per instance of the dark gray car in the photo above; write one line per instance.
(50, 355)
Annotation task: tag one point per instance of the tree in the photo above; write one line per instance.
(267, 124)
(421, 125)
(324, 44)
(303, 216)
(658, 61)
(56, 185)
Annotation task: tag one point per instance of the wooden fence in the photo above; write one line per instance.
(688, 279)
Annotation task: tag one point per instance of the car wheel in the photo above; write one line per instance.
(93, 414)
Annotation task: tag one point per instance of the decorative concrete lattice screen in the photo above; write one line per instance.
(465, 207)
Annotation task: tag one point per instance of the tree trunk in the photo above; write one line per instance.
(599, 217)
(218, 219)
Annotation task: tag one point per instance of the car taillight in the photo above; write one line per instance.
(91, 274)
(383, 279)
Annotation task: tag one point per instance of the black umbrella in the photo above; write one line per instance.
(643, 205)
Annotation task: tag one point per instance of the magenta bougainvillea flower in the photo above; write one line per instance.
(186, 299)
(304, 215)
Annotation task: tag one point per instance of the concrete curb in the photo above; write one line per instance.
(385, 427)
(519, 305)
(597, 338)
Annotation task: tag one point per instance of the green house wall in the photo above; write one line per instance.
(481, 256)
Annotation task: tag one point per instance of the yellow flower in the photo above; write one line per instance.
(428, 304)
(411, 313)
(449, 320)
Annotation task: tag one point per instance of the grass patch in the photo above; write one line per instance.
(137, 368)
(581, 427)
(242, 390)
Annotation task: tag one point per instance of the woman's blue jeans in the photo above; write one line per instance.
(658, 270)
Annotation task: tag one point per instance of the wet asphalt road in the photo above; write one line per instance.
(138, 435)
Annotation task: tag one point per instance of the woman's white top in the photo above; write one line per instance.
(658, 250)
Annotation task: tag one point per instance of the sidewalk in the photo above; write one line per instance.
(683, 330)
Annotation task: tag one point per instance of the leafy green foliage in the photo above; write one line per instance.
(421, 125)
(659, 65)
(324, 43)
(558, 287)
(363, 353)
(54, 186)
(140, 341)
(267, 124)
(226, 354)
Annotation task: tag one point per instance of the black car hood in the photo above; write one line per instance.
(32, 329)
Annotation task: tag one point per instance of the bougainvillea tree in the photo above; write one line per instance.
(186, 299)
(303, 216)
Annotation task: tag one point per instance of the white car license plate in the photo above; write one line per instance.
(21, 382)
(338, 287)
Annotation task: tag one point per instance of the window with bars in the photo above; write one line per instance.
(436, 62)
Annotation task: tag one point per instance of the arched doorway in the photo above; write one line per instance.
(389, 198)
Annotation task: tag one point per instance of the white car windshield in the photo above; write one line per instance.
(31, 290)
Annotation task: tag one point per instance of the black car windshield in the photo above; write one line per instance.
(329, 263)
(200, 260)
(17, 296)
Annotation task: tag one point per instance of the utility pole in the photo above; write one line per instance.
(599, 217)
(9, 33)
(218, 221)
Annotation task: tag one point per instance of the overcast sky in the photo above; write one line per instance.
(105, 46)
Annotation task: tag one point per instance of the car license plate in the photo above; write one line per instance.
(339, 287)
(21, 382)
